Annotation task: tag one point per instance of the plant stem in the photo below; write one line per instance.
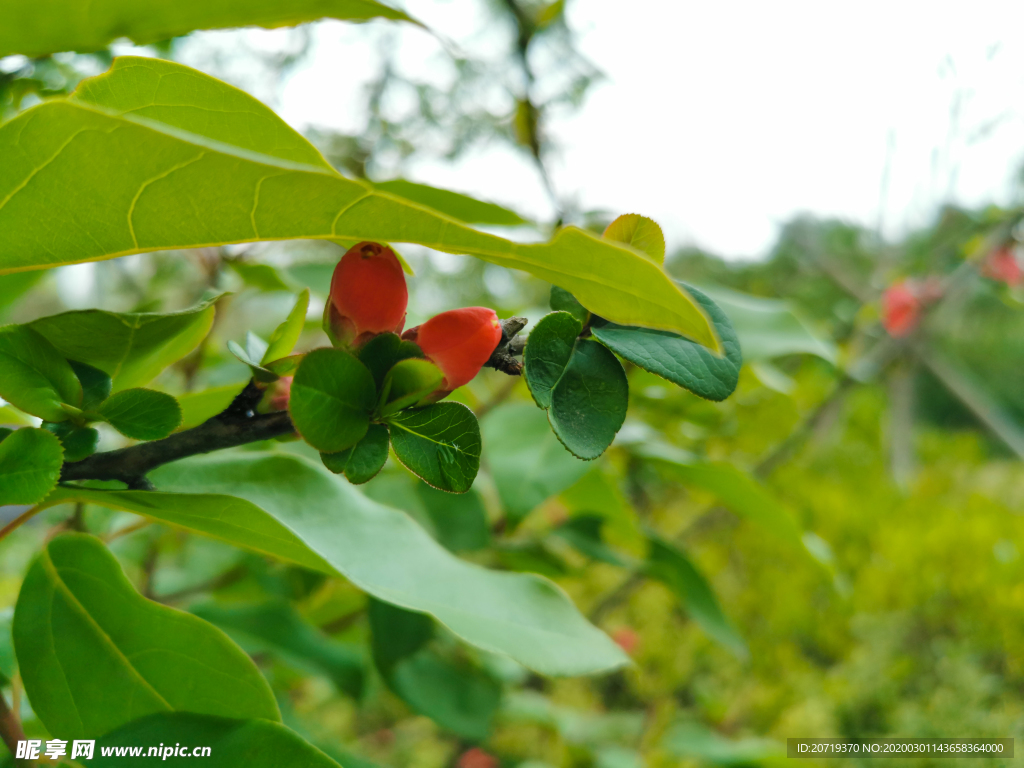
(10, 728)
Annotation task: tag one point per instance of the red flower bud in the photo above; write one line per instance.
(901, 309)
(368, 295)
(1003, 266)
(458, 342)
(626, 638)
(477, 758)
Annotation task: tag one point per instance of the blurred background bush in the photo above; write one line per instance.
(898, 456)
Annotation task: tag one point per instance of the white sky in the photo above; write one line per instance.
(723, 120)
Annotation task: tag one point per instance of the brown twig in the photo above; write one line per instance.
(10, 728)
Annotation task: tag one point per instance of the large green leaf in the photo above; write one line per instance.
(95, 655)
(332, 396)
(232, 743)
(454, 204)
(678, 359)
(275, 626)
(30, 461)
(527, 462)
(33, 375)
(142, 414)
(769, 328)
(162, 157)
(669, 565)
(290, 508)
(51, 26)
(460, 522)
(439, 443)
(132, 348)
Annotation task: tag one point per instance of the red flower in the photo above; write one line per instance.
(458, 342)
(1003, 266)
(901, 309)
(368, 295)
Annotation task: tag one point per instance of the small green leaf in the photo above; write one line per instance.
(454, 204)
(332, 397)
(142, 414)
(548, 350)
(588, 405)
(197, 407)
(527, 462)
(259, 372)
(669, 565)
(382, 352)
(563, 301)
(255, 347)
(439, 443)
(232, 743)
(640, 233)
(362, 461)
(96, 384)
(276, 626)
(78, 442)
(678, 359)
(132, 348)
(95, 655)
(30, 462)
(34, 376)
(65, 25)
(407, 383)
(286, 335)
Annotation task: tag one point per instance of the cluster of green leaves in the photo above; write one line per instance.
(78, 368)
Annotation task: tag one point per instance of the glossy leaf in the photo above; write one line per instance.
(362, 461)
(382, 352)
(588, 405)
(34, 376)
(276, 626)
(408, 382)
(439, 443)
(462, 207)
(78, 442)
(51, 26)
(286, 335)
(288, 507)
(96, 384)
(669, 565)
(30, 462)
(164, 157)
(132, 348)
(233, 743)
(639, 232)
(678, 359)
(332, 396)
(547, 354)
(527, 462)
(95, 655)
(563, 301)
(142, 414)
(769, 328)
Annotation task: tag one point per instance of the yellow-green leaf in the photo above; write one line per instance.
(640, 232)
(37, 28)
(162, 157)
